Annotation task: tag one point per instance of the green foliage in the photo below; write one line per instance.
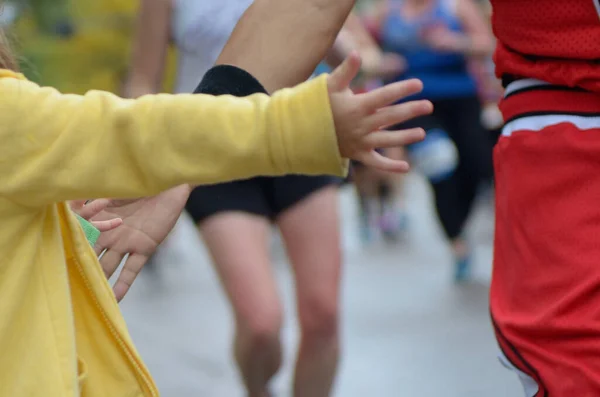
(48, 13)
(96, 56)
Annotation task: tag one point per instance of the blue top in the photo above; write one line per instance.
(322, 68)
(444, 75)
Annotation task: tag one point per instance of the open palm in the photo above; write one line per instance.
(146, 223)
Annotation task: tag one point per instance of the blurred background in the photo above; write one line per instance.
(414, 300)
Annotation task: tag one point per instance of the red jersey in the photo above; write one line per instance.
(557, 41)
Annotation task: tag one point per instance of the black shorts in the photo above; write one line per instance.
(264, 196)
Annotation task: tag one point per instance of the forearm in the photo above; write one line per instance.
(227, 80)
(149, 48)
(478, 40)
(66, 148)
(345, 43)
(341, 48)
(280, 42)
(355, 37)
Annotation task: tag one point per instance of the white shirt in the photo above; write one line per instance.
(200, 29)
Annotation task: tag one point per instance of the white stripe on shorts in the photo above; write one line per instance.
(538, 123)
(530, 386)
(522, 84)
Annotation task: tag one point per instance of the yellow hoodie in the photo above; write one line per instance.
(61, 331)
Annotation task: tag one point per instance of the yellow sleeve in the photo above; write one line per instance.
(58, 147)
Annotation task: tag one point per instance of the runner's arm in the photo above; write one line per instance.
(280, 42)
(150, 45)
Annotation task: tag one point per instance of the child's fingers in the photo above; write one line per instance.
(387, 139)
(93, 208)
(390, 93)
(377, 161)
(343, 75)
(131, 269)
(397, 114)
(105, 226)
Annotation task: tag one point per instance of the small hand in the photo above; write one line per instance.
(360, 118)
(146, 223)
(92, 209)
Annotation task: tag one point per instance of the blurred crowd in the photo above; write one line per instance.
(450, 50)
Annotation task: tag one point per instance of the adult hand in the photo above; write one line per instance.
(146, 223)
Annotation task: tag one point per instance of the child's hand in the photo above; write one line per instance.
(90, 210)
(360, 119)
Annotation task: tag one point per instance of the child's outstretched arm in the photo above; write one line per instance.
(59, 147)
(64, 147)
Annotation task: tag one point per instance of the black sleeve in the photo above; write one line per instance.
(229, 80)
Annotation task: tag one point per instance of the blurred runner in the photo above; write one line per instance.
(381, 200)
(235, 218)
(437, 38)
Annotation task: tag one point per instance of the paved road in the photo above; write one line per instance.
(407, 330)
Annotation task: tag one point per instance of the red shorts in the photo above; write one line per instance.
(545, 295)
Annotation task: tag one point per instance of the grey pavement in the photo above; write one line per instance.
(407, 329)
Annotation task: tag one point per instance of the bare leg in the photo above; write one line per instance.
(238, 243)
(393, 214)
(366, 183)
(311, 233)
(395, 181)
